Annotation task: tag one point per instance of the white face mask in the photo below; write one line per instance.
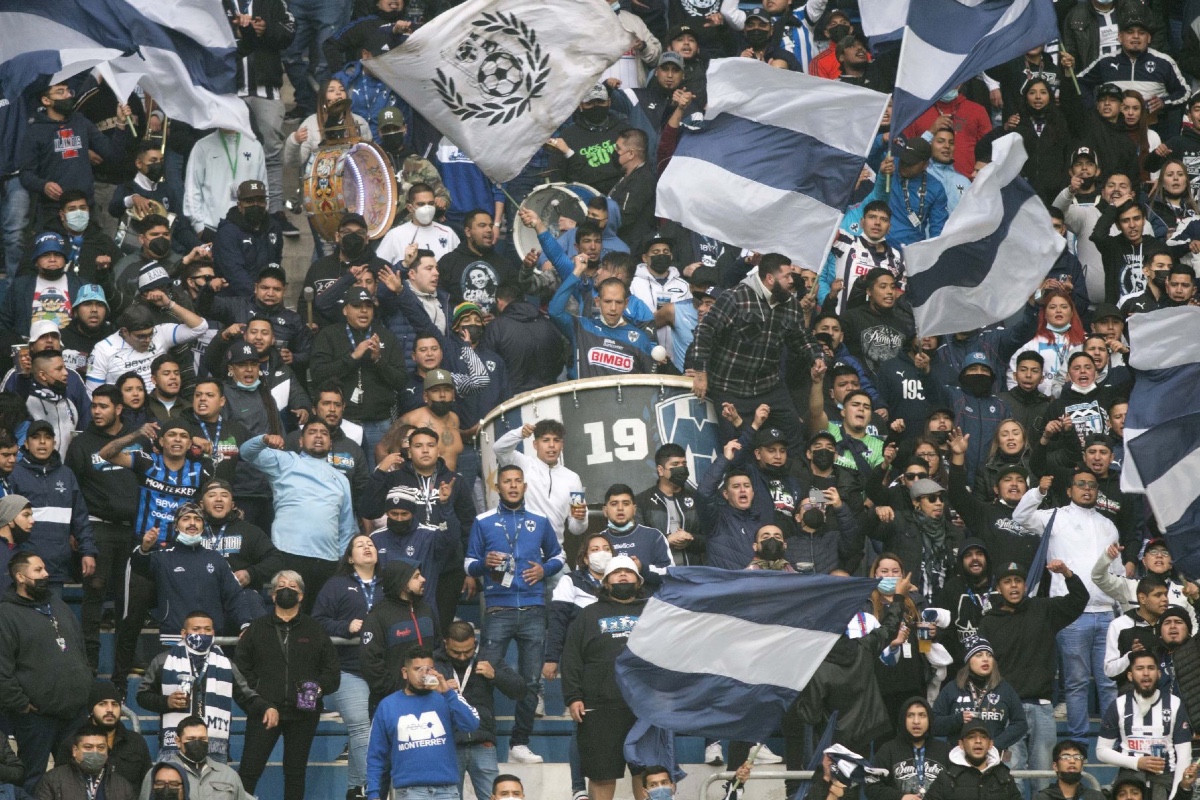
(424, 215)
(77, 220)
(598, 561)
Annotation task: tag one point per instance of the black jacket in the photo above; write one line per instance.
(634, 195)
(652, 512)
(594, 157)
(961, 782)
(1027, 408)
(150, 694)
(253, 549)
(898, 758)
(590, 652)
(1116, 253)
(128, 754)
(34, 669)
(453, 277)
(1024, 637)
(66, 782)
(1113, 147)
(111, 492)
(381, 380)
(531, 347)
(277, 670)
(992, 523)
(290, 330)
(95, 243)
(967, 605)
(479, 692)
(260, 58)
(392, 626)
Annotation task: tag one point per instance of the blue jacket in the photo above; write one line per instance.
(368, 94)
(241, 252)
(340, 602)
(58, 152)
(428, 547)
(16, 313)
(412, 739)
(979, 417)
(1150, 67)
(59, 511)
(998, 344)
(404, 315)
(932, 220)
(474, 407)
(191, 577)
(610, 243)
(731, 532)
(526, 536)
(636, 311)
(588, 325)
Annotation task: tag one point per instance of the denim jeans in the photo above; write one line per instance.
(480, 761)
(427, 793)
(1035, 749)
(350, 700)
(373, 431)
(304, 59)
(1082, 646)
(528, 627)
(38, 736)
(469, 469)
(14, 211)
(267, 118)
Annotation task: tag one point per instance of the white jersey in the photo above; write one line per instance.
(437, 238)
(113, 357)
(656, 293)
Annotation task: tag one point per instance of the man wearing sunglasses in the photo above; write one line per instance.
(919, 534)
(1079, 534)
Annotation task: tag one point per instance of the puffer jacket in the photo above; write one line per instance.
(961, 781)
(480, 693)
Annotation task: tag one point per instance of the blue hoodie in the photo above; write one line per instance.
(636, 311)
(731, 532)
(611, 242)
(529, 538)
(59, 513)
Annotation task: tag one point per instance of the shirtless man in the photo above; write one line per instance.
(437, 414)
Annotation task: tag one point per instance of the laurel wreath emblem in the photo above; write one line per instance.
(498, 112)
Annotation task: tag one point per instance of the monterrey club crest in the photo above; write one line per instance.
(503, 69)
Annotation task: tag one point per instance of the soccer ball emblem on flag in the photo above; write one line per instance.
(501, 62)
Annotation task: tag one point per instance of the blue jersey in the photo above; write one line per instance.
(162, 491)
(600, 349)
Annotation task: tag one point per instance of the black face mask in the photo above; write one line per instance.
(770, 549)
(440, 408)
(287, 598)
(39, 590)
(594, 115)
(1070, 778)
(164, 793)
(391, 16)
(838, 32)
(823, 459)
(660, 263)
(772, 471)
(255, 216)
(941, 437)
(475, 332)
(757, 38)
(813, 518)
(64, 106)
(155, 171)
(678, 475)
(1160, 277)
(52, 274)
(392, 142)
(353, 245)
(160, 246)
(195, 750)
(978, 385)
(402, 527)
(622, 591)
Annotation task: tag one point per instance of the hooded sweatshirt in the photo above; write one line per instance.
(392, 626)
(59, 512)
(53, 678)
(912, 768)
(961, 779)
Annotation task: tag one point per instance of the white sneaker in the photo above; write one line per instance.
(580, 796)
(712, 755)
(521, 754)
(540, 710)
(1060, 711)
(765, 756)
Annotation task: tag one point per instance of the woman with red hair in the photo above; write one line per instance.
(1059, 334)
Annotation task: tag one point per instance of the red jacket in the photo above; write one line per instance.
(971, 123)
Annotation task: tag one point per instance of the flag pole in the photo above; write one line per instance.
(753, 755)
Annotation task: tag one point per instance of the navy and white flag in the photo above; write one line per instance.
(1162, 428)
(785, 147)
(498, 77)
(723, 653)
(883, 20)
(947, 42)
(181, 51)
(995, 250)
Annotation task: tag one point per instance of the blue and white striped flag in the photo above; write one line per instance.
(947, 42)
(723, 653)
(773, 167)
(1162, 428)
(883, 20)
(995, 250)
(181, 51)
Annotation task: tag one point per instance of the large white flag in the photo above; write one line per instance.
(499, 76)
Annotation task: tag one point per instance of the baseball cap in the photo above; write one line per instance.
(1109, 90)
(251, 190)
(826, 435)
(38, 425)
(622, 562)
(759, 13)
(916, 150)
(48, 242)
(974, 725)
(1012, 468)
(1098, 438)
(767, 436)
(1085, 152)
(1133, 21)
(153, 276)
(357, 295)
(976, 359)
(670, 57)
(923, 487)
(597, 92)
(1106, 311)
(272, 271)
(704, 276)
(216, 483)
(41, 327)
(89, 293)
(438, 377)
(351, 218)
(241, 353)
(10, 506)
(391, 116)
(1012, 568)
(681, 29)
(1157, 541)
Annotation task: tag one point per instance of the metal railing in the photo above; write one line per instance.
(805, 775)
(226, 641)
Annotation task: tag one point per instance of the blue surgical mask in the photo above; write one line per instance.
(887, 585)
(950, 96)
(199, 642)
(77, 220)
(626, 528)
(189, 539)
(660, 793)
(248, 387)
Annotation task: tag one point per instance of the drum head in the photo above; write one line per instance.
(550, 202)
(369, 187)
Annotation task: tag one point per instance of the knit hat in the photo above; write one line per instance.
(102, 690)
(403, 497)
(10, 506)
(975, 645)
(1179, 612)
(153, 277)
(462, 309)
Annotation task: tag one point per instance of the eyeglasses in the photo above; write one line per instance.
(175, 787)
(1070, 757)
(1085, 485)
(914, 476)
(935, 498)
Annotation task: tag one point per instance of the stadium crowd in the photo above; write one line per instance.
(196, 452)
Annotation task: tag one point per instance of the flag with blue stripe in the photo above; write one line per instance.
(995, 250)
(788, 146)
(1162, 428)
(883, 20)
(947, 42)
(180, 51)
(723, 653)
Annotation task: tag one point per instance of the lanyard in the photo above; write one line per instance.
(233, 165)
(219, 539)
(462, 685)
(58, 639)
(920, 197)
(213, 439)
(919, 753)
(354, 344)
(368, 590)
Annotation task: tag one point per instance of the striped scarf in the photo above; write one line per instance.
(214, 703)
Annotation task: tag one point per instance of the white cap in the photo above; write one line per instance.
(622, 562)
(41, 327)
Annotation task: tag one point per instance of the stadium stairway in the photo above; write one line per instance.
(550, 739)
